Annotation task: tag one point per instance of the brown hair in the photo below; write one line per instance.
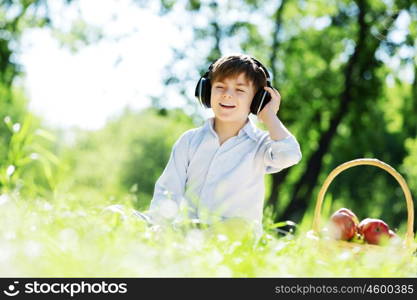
(231, 66)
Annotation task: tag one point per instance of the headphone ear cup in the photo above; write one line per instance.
(203, 91)
(257, 101)
(207, 92)
(197, 92)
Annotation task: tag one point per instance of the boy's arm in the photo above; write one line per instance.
(277, 130)
(281, 149)
(170, 186)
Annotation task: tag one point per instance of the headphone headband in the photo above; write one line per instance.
(257, 62)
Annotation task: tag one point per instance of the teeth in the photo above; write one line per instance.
(226, 105)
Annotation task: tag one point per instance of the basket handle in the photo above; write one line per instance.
(372, 162)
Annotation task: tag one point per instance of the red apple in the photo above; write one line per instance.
(342, 226)
(349, 213)
(374, 230)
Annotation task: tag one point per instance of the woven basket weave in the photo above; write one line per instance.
(409, 236)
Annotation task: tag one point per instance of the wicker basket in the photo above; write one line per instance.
(409, 236)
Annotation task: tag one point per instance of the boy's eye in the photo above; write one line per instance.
(240, 90)
(219, 87)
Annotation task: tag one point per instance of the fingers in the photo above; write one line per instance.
(272, 91)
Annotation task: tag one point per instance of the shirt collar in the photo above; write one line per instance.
(249, 128)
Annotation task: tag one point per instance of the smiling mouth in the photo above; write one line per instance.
(227, 106)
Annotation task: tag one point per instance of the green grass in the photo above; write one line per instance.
(69, 239)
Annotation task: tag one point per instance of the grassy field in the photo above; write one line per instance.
(71, 239)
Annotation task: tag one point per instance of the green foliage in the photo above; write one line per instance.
(410, 164)
(29, 165)
(27, 161)
(14, 110)
(193, 5)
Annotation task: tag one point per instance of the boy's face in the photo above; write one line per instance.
(231, 98)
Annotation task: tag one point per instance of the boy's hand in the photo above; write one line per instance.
(271, 108)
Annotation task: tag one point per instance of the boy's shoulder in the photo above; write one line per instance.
(190, 133)
(187, 135)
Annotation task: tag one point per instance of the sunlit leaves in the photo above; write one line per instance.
(24, 149)
(193, 5)
(80, 34)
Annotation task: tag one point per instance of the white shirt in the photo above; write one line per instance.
(224, 181)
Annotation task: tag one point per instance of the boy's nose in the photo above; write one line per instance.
(227, 94)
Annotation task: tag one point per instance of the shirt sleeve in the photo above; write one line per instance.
(170, 186)
(281, 154)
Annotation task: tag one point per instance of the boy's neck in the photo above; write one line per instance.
(226, 130)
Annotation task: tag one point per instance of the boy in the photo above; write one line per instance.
(216, 171)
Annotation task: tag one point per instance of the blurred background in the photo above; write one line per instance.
(93, 94)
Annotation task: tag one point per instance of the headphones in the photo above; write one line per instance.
(261, 98)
